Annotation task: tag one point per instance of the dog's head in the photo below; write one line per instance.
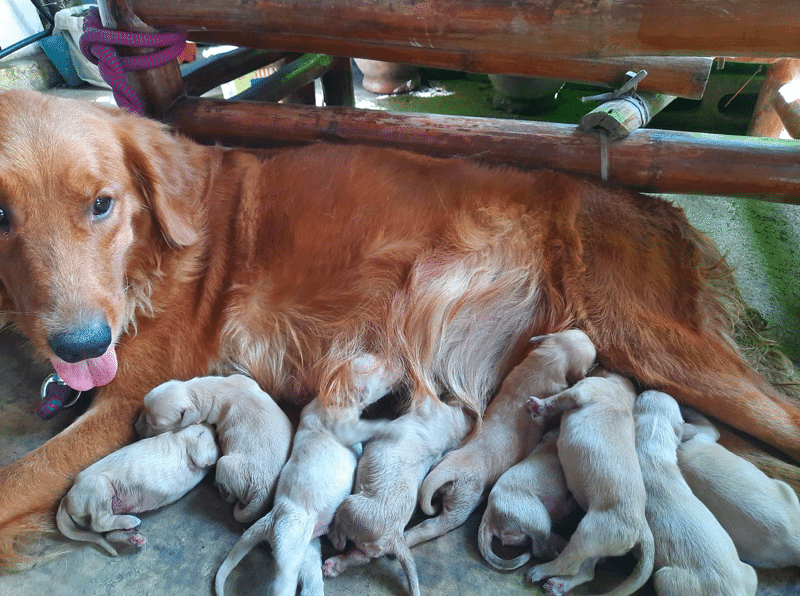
(86, 193)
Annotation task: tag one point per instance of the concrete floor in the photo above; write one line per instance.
(188, 540)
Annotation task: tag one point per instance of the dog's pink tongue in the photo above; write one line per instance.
(86, 374)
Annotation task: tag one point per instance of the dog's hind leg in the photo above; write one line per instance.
(703, 371)
(311, 571)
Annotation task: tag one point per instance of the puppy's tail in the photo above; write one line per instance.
(252, 536)
(66, 525)
(485, 535)
(643, 569)
(403, 554)
(357, 431)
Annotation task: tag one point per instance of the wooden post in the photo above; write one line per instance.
(158, 87)
(620, 117)
(337, 84)
(766, 122)
(648, 160)
(787, 105)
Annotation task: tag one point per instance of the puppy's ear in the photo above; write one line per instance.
(687, 432)
(164, 170)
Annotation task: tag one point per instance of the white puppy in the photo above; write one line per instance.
(387, 482)
(140, 477)
(694, 556)
(523, 506)
(254, 433)
(597, 450)
(761, 515)
(506, 434)
(313, 483)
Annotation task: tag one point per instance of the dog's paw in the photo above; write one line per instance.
(536, 406)
(332, 567)
(554, 587)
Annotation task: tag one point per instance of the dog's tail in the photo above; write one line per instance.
(252, 536)
(485, 535)
(66, 525)
(644, 567)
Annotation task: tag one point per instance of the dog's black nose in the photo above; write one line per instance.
(81, 343)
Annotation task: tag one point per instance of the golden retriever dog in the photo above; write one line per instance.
(130, 256)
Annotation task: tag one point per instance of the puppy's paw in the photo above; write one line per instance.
(536, 406)
(537, 573)
(332, 567)
(127, 539)
(554, 587)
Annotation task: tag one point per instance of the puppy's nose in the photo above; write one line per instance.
(90, 340)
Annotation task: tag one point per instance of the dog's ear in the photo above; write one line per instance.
(165, 173)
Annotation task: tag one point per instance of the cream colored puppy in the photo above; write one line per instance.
(506, 434)
(597, 450)
(254, 433)
(140, 477)
(523, 506)
(312, 484)
(315, 480)
(694, 556)
(761, 515)
(387, 482)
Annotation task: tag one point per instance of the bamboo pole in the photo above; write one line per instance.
(413, 29)
(618, 118)
(648, 160)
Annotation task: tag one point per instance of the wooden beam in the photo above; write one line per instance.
(206, 74)
(579, 28)
(648, 160)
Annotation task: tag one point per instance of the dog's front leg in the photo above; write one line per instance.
(32, 486)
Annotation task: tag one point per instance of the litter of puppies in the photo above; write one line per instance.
(564, 433)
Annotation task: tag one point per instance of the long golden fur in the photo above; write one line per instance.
(287, 267)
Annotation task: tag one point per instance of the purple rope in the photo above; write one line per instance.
(96, 44)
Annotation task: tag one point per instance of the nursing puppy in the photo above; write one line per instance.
(524, 504)
(387, 482)
(254, 433)
(597, 450)
(694, 556)
(141, 477)
(313, 483)
(761, 515)
(505, 436)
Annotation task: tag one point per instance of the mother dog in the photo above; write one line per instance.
(120, 242)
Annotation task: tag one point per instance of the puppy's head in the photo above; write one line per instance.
(87, 196)
(167, 407)
(661, 407)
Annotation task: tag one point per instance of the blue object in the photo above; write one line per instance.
(57, 50)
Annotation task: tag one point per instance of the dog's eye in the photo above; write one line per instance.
(5, 220)
(101, 206)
